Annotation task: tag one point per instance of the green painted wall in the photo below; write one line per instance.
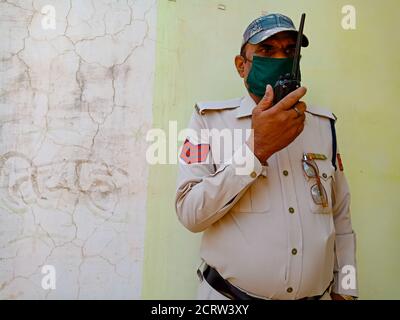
(354, 73)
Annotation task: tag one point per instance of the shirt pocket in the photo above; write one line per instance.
(326, 176)
(256, 199)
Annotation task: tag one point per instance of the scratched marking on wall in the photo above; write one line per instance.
(22, 183)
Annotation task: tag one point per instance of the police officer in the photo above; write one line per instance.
(274, 209)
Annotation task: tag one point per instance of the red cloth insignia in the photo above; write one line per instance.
(339, 159)
(194, 153)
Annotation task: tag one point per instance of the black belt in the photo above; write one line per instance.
(216, 281)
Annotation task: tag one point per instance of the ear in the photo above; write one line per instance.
(239, 63)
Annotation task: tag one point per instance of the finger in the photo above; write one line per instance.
(267, 101)
(300, 128)
(295, 112)
(300, 107)
(291, 99)
(299, 120)
(296, 119)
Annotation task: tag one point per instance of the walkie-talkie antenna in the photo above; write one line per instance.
(296, 61)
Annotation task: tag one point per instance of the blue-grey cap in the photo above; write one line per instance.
(266, 26)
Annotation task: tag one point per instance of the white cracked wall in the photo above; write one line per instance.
(75, 105)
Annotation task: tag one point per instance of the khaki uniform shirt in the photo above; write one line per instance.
(262, 231)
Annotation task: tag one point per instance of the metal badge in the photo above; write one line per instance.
(316, 156)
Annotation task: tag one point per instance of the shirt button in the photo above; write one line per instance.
(324, 175)
(291, 210)
(285, 172)
(253, 174)
(289, 290)
(294, 251)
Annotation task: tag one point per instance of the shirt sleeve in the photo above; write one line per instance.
(206, 191)
(345, 270)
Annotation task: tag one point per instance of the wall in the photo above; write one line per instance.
(352, 72)
(75, 107)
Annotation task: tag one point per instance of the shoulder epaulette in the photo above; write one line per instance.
(332, 119)
(321, 112)
(202, 107)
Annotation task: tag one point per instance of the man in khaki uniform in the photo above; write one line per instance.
(274, 206)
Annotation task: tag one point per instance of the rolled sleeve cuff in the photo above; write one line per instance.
(345, 272)
(246, 164)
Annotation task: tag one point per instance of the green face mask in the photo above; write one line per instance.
(265, 71)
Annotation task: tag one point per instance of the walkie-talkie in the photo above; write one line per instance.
(291, 81)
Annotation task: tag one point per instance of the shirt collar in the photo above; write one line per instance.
(246, 107)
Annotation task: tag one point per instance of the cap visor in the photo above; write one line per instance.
(263, 35)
